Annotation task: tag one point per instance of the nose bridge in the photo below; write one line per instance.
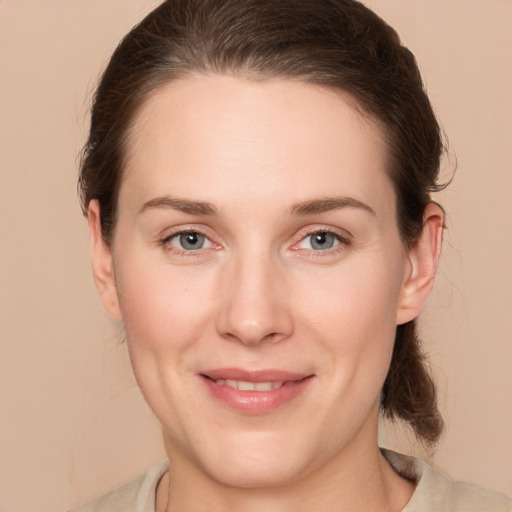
(254, 300)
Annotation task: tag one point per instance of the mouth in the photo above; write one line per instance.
(255, 392)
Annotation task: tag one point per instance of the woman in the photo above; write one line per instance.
(257, 182)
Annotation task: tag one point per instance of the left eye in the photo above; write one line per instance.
(320, 241)
(190, 241)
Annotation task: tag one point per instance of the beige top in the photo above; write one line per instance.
(434, 491)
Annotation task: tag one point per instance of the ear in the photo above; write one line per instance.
(423, 258)
(102, 268)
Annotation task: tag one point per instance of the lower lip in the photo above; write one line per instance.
(256, 402)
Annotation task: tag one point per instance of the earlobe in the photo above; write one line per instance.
(101, 256)
(423, 259)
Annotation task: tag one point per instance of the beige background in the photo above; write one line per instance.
(72, 421)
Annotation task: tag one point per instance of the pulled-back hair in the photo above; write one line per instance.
(338, 44)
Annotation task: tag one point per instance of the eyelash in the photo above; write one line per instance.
(165, 243)
(343, 242)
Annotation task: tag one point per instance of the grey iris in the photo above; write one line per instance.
(322, 241)
(191, 241)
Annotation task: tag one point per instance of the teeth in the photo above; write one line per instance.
(264, 386)
(246, 386)
(250, 386)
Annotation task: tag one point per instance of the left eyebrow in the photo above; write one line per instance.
(328, 204)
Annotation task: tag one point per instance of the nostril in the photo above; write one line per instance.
(251, 317)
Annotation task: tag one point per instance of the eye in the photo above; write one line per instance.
(189, 241)
(320, 241)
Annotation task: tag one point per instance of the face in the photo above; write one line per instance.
(259, 274)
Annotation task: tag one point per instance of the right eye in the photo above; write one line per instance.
(188, 241)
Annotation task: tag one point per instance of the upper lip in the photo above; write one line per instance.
(265, 375)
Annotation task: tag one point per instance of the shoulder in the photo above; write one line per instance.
(463, 496)
(435, 491)
(135, 496)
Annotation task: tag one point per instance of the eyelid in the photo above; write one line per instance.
(343, 236)
(184, 231)
(164, 241)
(179, 234)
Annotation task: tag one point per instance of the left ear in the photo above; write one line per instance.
(423, 258)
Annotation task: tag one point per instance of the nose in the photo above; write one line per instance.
(255, 302)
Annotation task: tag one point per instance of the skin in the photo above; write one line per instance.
(264, 156)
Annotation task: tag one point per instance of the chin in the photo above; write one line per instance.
(262, 473)
(254, 459)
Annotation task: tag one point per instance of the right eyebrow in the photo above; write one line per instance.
(188, 206)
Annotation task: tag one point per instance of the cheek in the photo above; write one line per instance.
(161, 308)
(353, 299)
(352, 315)
(165, 315)
(346, 321)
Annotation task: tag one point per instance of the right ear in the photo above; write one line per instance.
(102, 268)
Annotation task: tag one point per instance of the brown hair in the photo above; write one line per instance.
(334, 43)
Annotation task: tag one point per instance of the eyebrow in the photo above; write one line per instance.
(179, 204)
(328, 204)
(303, 208)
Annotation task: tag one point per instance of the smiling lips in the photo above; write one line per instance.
(255, 392)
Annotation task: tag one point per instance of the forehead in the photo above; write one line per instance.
(204, 133)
